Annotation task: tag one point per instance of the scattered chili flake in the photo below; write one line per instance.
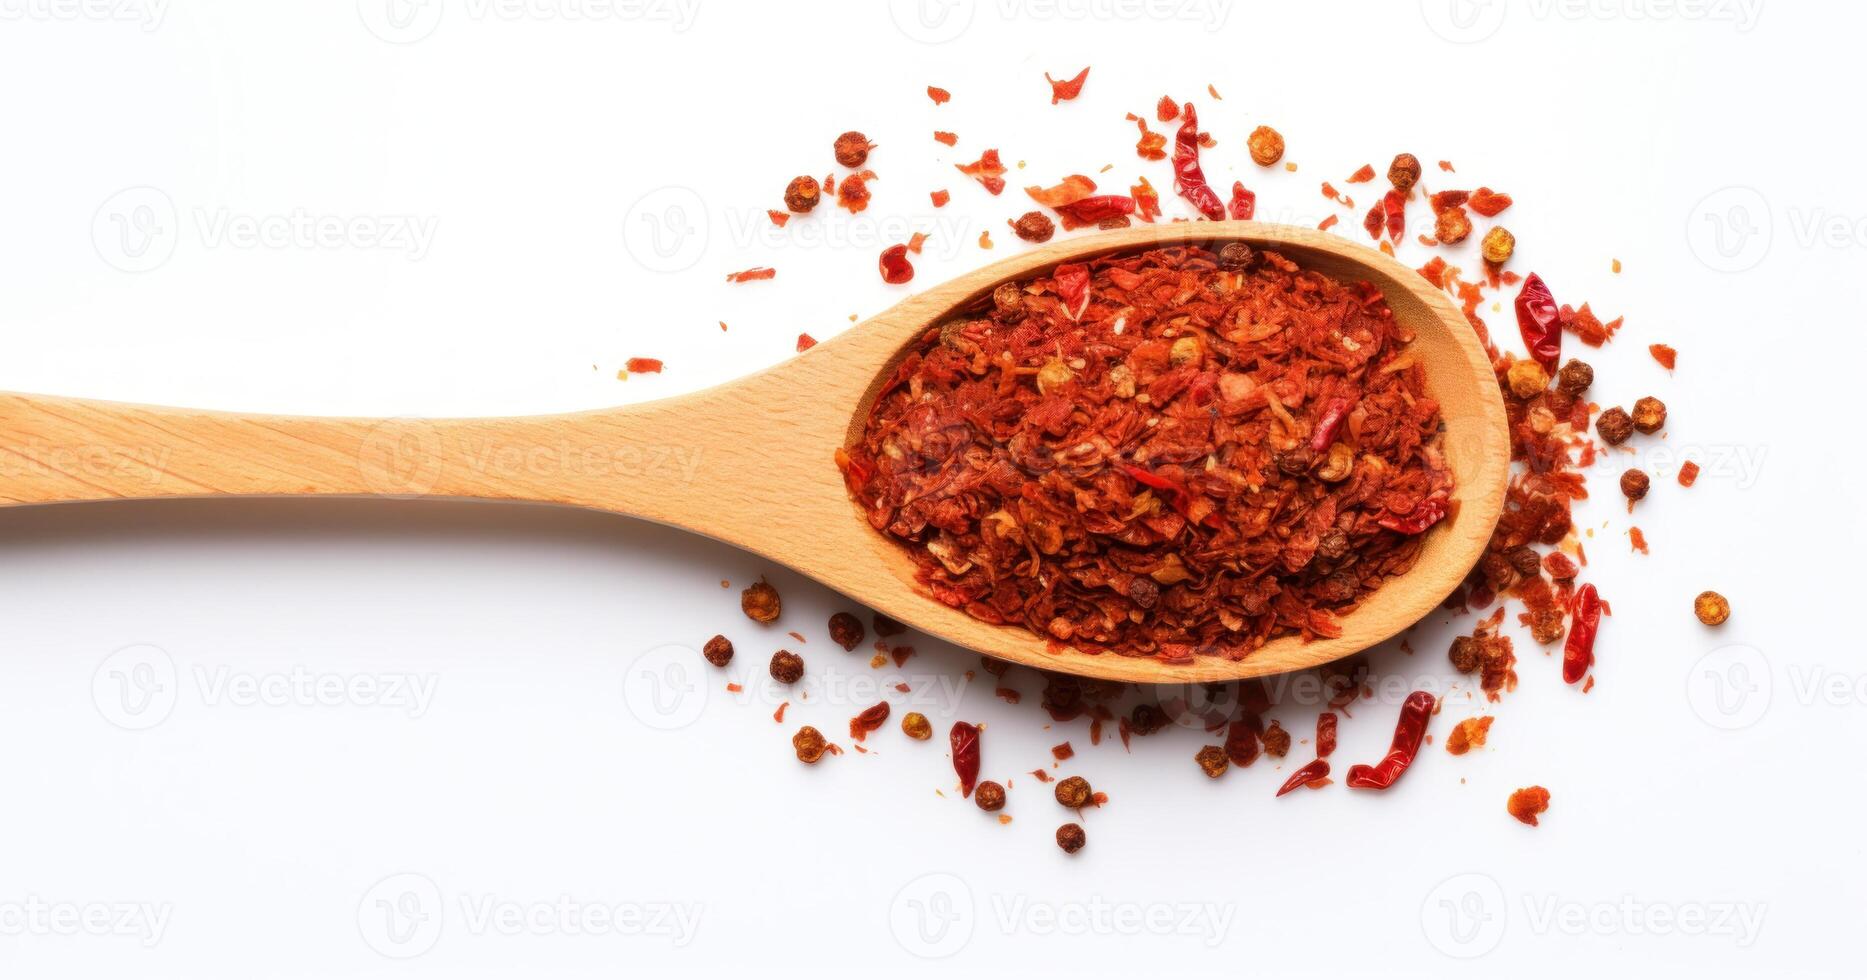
(1638, 539)
(1062, 751)
(1151, 145)
(1103, 211)
(1688, 473)
(1468, 734)
(916, 726)
(1616, 266)
(1711, 608)
(1007, 695)
(805, 342)
(846, 630)
(1446, 165)
(938, 95)
(1578, 653)
(1376, 221)
(1071, 837)
(985, 239)
(1167, 110)
(942, 136)
(963, 739)
(778, 217)
(1212, 761)
(1526, 803)
(1666, 356)
(718, 651)
(1276, 740)
(802, 194)
(1488, 202)
(990, 796)
(1146, 201)
(1244, 203)
(1214, 92)
(852, 149)
(1314, 774)
(809, 744)
(735, 688)
(787, 667)
(1587, 327)
(916, 241)
(643, 365)
(1361, 176)
(853, 193)
(778, 716)
(940, 198)
(1325, 734)
(760, 602)
(752, 275)
(1266, 146)
(1063, 91)
(871, 718)
(1394, 206)
(895, 266)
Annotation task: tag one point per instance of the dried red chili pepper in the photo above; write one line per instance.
(1328, 423)
(1539, 320)
(1310, 772)
(1073, 288)
(1579, 652)
(1394, 207)
(1325, 734)
(1188, 179)
(896, 269)
(1063, 91)
(1094, 210)
(964, 739)
(1415, 713)
(1244, 203)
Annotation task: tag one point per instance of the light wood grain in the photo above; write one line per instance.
(751, 462)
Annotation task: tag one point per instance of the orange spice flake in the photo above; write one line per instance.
(1666, 356)
(753, 274)
(1526, 803)
(939, 96)
(1688, 473)
(1468, 734)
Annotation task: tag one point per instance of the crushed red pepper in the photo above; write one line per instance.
(752, 274)
(1117, 455)
(1066, 89)
(987, 170)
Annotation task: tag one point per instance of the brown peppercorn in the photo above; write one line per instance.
(1071, 838)
(1712, 609)
(852, 149)
(1575, 377)
(1034, 226)
(718, 651)
(810, 745)
(1266, 145)
(1146, 719)
(1634, 484)
(1649, 415)
(1498, 245)
(1212, 759)
(1527, 379)
(1073, 792)
(1524, 559)
(760, 602)
(1465, 654)
(990, 796)
(1614, 426)
(916, 726)
(846, 630)
(802, 194)
(1276, 740)
(787, 667)
(1453, 226)
(1404, 172)
(1236, 256)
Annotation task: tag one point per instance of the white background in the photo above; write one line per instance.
(568, 753)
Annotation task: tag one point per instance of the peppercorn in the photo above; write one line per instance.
(718, 651)
(990, 796)
(1614, 426)
(1524, 559)
(1464, 654)
(1712, 609)
(1453, 225)
(1404, 172)
(1575, 377)
(1498, 571)
(1634, 484)
(760, 602)
(1146, 719)
(1528, 379)
(1266, 145)
(1649, 415)
(786, 667)
(1212, 759)
(1498, 245)
(1034, 226)
(916, 726)
(845, 630)
(1008, 300)
(802, 194)
(1236, 256)
(1073, 792)
(810, 744)
(1276, 740)
(1071, 838)
(852, 149)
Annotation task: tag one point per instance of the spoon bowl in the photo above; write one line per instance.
(751, 462)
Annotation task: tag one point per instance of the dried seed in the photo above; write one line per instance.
(760, 602)
(1034, 226)
(1073, 792)
(916, 726)
(1404, 172)
(787, 667)
(1212, 760)
(1649, 415)
(809, 744)
(718, 651)
(802, 194)
(1614, 426)
(990, 796)
(1711, 608)
(1634, 484)
(846, 630)
(1071, 838)
(1266, 145)
(852, 149)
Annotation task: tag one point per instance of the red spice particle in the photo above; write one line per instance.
(1362, 176)
(942, 136)
(778, 217)
(1664, 354)
(1468, 734)
(940, 198)
(1325, 734)
(871, 718)
(1526, 803)
(1042, 776)
(735, 688)
(1487, 202)
(1314, 774)
(1326, 223)
(985, 239)
(778, 716)
(1151, 145)
(752, 275)
(853, 192)
(938, 95)
(895, 266)
(1008, 695)
(1638, 538)
(987, 170)
(1063, 91)
(1214, 92)
(1376, 220)
(1167, 110)
(963, 740)
(1688, 473)
(1446, 165)
(916, 241)
(1244, 203)
(805, 342)
(1062, 751)
(644, 365)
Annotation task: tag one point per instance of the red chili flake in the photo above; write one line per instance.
(1325, 734)
(1214, 92)
(985, 239)
(1068, 191)
(1146, 201)
(1638, 538)
(1468, 734)
(895, 266)
(942, 136)
(1435, 271)
(1062, 751)
(1066, 90)
(735, 688)
(987, 170)
(1525, 804)
(1487, 202)
(1409, 732)
(1095, 210)
(853, 192)
(1446, 165)
(1326, 223)
(964, 741)
(1688, 473)
(1587, 327)
(1447, 200)
(805, 342)
(871, 718)
(1167, 110)
(938, 95)
(1151, 145)
(1362, 176)
(1664, 354)
(1579, 652)
(1244, 203)
(1311, 773)
(916, 241)
(644, 365)
(940, 198)
(1008, 695)
(1188, 179)
(1042, 776)
(1376, 221)
(1560, 566)
(1394, 206)
(778, 217)
(1540, 322)
(778, 716)
(752, 275)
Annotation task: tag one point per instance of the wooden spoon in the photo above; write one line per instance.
(751, 462)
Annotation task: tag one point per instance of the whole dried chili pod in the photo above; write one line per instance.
(1539, 322)
(1328, 423)
(964, 739)
(1188, 179)
(1409, 732)
(1579, 652)
(1312, 770)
